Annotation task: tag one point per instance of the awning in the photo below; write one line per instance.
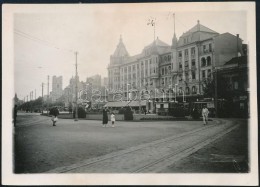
(124, 103)
(136, 103)
(116, 104)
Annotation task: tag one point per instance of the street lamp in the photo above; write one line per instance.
(127, 92)
(176, 92)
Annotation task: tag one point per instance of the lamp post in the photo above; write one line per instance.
(176, 92)
(127, 92)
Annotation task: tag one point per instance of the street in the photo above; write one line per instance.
(87, 147)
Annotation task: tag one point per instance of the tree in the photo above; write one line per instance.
(222, 88)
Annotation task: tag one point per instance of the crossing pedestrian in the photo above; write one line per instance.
(205, 113)
(105, 117)
(54, 112)
(113, 119)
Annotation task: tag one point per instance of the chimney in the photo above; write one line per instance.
(237, 45)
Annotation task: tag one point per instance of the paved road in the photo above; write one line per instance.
(85, 146)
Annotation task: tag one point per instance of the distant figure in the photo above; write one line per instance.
(113, 119)
(15, 114)
(105, 117)
(195, 113)
(54, 112)
(205, 113)
(145, 111)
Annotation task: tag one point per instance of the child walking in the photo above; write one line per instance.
(113, 119)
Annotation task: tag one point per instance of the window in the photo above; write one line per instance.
(204, 48)
(165, 58)
(180, 77)
(187, 90)
(180, 54)
(186, 52)
(166, 70)
(180, 65)
(162, 71)
(193, 62)
(137, 66)
(208, 61)
(193, 75)
(209, 73)
(203, 74)
(193, 51)
(203, 62)
(186, 76)
(162, 81)
(194, 89)
(186, 63)
(235, 85)
(169, 58)
(210, 48)
(180, 90)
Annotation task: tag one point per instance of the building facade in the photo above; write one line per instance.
(94, 81)
(174, 72)
(56, 88)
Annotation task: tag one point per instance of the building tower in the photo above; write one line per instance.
(120, 55)
(56, 88)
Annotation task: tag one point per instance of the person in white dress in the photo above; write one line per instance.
(205, 113)
(113, 119)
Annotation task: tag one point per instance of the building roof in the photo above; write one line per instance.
(237, 60)
(120, 49)
(199, 28)
(158, 43)
(197, 33)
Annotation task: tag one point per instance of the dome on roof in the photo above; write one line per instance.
(120, 49)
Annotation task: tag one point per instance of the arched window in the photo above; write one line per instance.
(187, 90)
(180, 90)
(194, 89)
(208, 61)
(203, 62)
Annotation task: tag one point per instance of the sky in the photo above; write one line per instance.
(45, 38)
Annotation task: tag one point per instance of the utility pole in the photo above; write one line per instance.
(48, 95)
(35, 93)
(76, 90)
(42, 96)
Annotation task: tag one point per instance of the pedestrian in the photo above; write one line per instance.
(105, 117)
(15, 114)
(205, 113)
(54, 112)
(113, 119)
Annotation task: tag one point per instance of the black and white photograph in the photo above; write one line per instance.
(129, 93)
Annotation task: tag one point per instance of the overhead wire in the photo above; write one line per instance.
(43, 42)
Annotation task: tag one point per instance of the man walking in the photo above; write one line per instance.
(205, 113)
(54, 112)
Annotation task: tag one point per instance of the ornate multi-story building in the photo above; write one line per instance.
(179, 68)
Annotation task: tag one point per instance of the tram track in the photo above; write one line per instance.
(155, 146)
